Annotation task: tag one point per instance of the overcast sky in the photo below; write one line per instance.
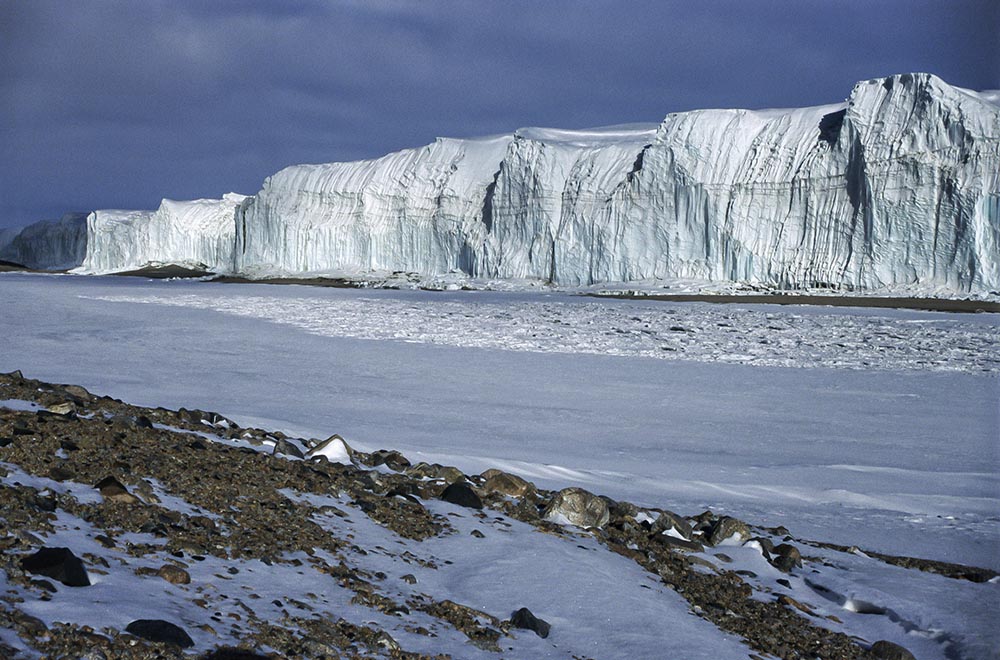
(118, 104)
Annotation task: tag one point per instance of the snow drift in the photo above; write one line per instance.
(897, 188)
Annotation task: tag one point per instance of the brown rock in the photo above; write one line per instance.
(174, 574)
(888, 651)
(507, 484)
(579, 507)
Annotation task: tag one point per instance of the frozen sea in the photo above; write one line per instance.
(874, 428)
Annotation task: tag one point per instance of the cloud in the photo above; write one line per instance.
(116, 104)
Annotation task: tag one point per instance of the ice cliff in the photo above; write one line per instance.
(898, 188)
(198, 234)
(47, 245)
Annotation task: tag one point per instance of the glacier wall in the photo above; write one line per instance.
(897, 187)
(198, 234)
(49, 244)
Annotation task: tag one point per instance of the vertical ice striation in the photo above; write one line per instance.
(897, 187)
(47, 245)
(198, 234)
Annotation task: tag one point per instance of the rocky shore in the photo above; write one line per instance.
(189, 504)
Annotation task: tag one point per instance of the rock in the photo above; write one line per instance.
(462, 495)
(786, 557)
(174, 574)
(447, 473)
(578, 507)
(334, 449)
(679, 544)
(115, 491)
(59, 564)
(390, 458)
(669, 520)
(77, 391)
(885, 650)
(525, 620)
(157, 630)
(66, 408)
(788, 601)
(61, 473)
(507, 484)
(287, 448)
(230, 653)
(726, 528)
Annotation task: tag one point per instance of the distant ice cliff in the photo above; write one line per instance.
(898, 187)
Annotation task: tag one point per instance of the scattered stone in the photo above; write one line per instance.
(447, 473)
(885, 650)
(786, 557)
(287, 448)
(334, 449)
(788, 601)
(59, 564)
(579, 507)
(507, 484)
(230, 653)
(409, 578)
(669, 520)
(77, 392)
(60, 473)
(174, 574)
(66, 408)
(525, 620)
(157, 630)
(115, 491)
(478, 534)
(462, 495)
(726, 528)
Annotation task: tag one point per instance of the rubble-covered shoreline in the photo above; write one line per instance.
(191, 503)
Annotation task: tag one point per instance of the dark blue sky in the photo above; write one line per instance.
(117, 104)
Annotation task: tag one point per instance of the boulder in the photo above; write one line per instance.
(174, 574)
(462, 495)
(287, 448)
(670, 523)
(115, 491)
(507, 484)
(885, 650)
(578, 507)
(59, 564)
(726, 528)
(157, 630)
(525, 620)
(785, 557)
(334, 449)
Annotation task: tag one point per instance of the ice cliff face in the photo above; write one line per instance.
(198, 234)
(47, 245)
(899, 186)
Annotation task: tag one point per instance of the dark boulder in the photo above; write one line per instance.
(59, 564)
(229, 653)
(462, 495)
(885, 650)
(157, 630)
(525, 620)
(786, 557)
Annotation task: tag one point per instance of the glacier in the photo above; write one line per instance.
(897, 188)
(197, 234)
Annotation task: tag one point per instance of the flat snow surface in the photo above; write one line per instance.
(874, 428)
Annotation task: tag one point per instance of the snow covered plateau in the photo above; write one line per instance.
(898, 188)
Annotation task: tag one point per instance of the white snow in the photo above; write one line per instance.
(898, 456)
